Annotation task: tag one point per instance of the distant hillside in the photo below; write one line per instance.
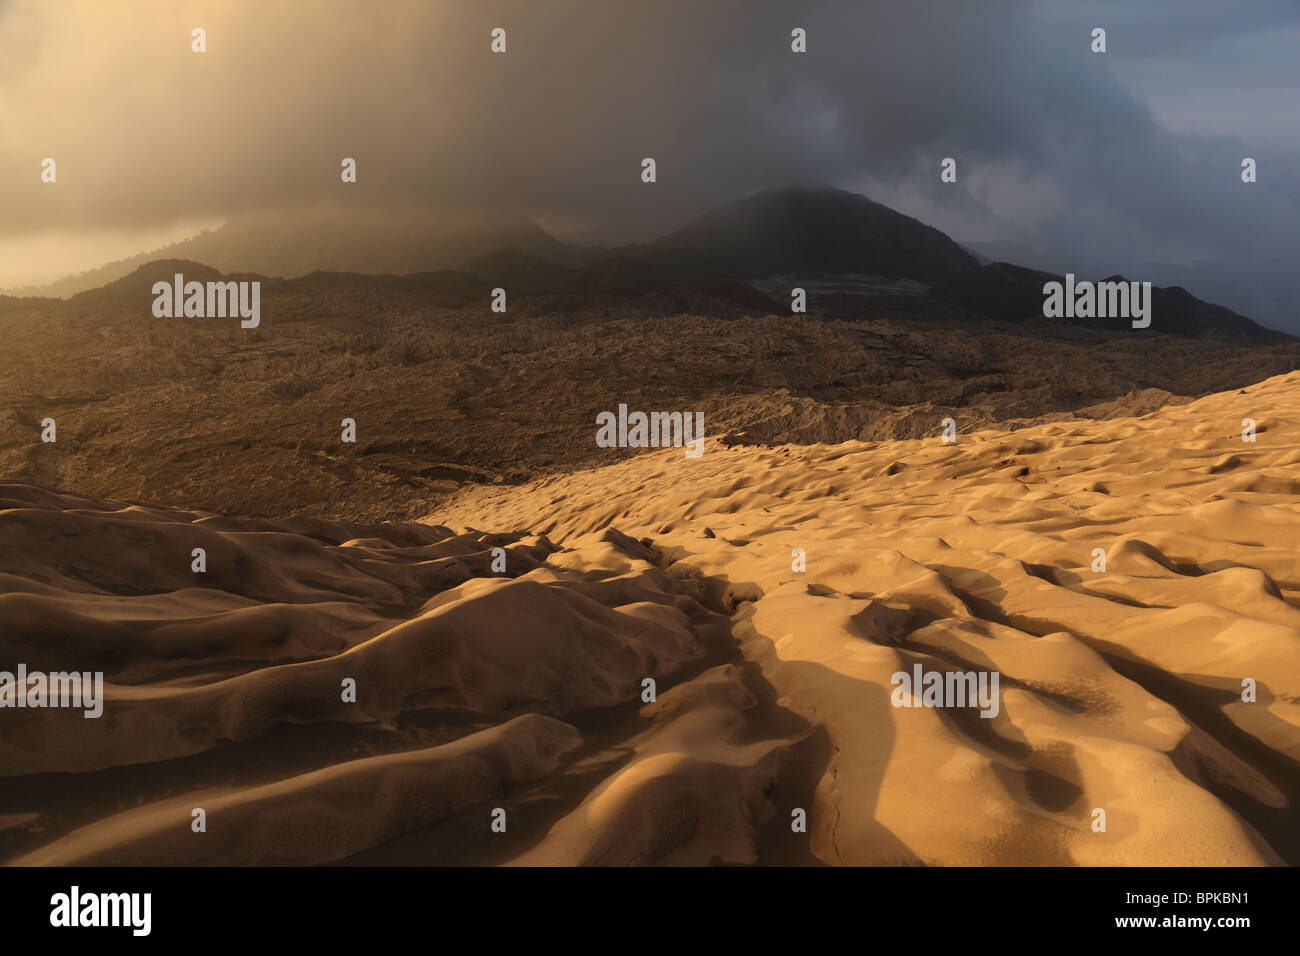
(136, 289)
(1011, 293)
(856, 258)
(370, 242)
(812, 231)
(518, 271)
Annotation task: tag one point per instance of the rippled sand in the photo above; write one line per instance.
(523, 691)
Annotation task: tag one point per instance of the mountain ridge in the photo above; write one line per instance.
(805, 231)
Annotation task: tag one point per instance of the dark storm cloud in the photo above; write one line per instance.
(1053, 148)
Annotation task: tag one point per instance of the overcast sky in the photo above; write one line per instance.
(1125, 157)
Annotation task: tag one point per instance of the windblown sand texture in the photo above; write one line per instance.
(1120, 689)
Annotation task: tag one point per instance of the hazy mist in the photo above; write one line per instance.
(1122, 161)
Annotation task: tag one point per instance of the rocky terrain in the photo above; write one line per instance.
(445, 392)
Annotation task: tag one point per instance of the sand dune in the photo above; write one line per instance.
(1121, 689)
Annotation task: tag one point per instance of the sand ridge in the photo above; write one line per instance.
(486, 678)
(524, 691)
(1121, 688)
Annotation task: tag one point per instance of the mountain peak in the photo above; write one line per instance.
(817, 230)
